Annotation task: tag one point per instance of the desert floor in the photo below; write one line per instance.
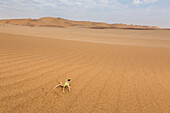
(111, 70)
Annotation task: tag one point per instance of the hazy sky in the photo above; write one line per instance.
(141, 12)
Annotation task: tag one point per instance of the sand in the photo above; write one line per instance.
(111, 71)
(63, 23)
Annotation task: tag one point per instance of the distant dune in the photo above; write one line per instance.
(60, 22)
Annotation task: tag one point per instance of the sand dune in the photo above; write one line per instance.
(147, 38)
(59, 22)
(113, 71)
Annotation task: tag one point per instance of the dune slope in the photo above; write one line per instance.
(104, 77)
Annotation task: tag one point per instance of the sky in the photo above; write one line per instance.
(139, 12)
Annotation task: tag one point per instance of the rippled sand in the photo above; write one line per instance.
(116, 71)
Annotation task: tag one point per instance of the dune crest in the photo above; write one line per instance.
(60, 22)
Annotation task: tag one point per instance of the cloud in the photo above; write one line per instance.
(112, 11)
(143, 1)
(89, 3)
(64, 3)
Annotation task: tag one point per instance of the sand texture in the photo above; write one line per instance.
(111, 71)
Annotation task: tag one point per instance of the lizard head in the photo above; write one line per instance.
(68, 79)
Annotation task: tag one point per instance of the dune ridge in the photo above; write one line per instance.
(60, 22)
